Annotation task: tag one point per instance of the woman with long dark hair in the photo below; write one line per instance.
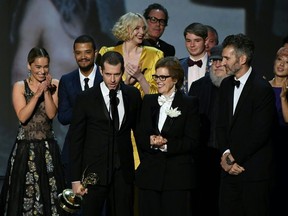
(34, 176)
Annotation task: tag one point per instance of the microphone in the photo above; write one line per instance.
(112, 94)
(113, 97)
(114, 101)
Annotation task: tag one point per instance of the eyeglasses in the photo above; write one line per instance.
(160, 77)
(162, 22)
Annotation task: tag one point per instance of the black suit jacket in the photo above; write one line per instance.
(174, 169)
(69, 89)
(167, 49)
(248, 133)
(207, 93)
(92, 135)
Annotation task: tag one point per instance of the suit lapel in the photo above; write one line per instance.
(126, 102)
(76, 85)
(167, 125)
(155, 109)
(230, 97)
(100, 100)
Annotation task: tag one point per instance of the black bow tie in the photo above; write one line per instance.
(191, 63)
(236, 83)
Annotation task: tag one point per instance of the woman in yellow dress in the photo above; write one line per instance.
(139, 60)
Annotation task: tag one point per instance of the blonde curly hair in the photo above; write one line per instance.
(283, 51)
(124, 27)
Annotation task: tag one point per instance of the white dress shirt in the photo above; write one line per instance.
(91, 78)
(237, 91)
(194, 72)
(163, 115)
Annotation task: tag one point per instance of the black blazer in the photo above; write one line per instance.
(69, 89)
(248, 133)
(174, 169)
(167, 49)
(207, 93)
(92, 135)
(204, 89)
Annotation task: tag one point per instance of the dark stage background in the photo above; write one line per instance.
(55, 24)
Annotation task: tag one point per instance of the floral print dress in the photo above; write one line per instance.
(34, 175)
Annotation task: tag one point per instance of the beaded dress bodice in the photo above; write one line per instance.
(39, 126)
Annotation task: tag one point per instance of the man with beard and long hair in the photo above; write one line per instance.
(207, 89)
(73, 83)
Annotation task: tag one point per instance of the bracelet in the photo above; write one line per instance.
(228, 161)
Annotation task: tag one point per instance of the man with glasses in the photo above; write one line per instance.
(157, 19)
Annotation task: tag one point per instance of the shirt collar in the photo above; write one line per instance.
(244, 78)
(91, 75)
(104, 89)
(204, 57)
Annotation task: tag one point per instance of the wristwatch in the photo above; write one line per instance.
(228, 161)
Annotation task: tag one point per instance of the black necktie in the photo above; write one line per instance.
(86, 86)
(114, 101)
(236, 83)
(198, 63)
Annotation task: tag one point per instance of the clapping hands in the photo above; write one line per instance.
(45, 86)
(133, 73)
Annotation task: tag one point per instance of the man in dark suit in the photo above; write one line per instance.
(196, 64)
(244, 132)
(98, 146)
(73, 83)
(207, 89)
(157, 19)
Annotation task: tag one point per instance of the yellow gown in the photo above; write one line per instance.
(148, 59)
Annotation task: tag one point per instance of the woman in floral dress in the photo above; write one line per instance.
(34, 176)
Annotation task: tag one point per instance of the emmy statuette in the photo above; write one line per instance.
(71, 202)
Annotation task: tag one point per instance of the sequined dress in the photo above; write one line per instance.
(34, 175)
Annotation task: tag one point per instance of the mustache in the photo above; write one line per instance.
(84, 59)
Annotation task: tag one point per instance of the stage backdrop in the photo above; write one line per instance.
(55, 24)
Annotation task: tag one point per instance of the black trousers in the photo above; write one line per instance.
(116, 199)
(164, 203)
(240, 198)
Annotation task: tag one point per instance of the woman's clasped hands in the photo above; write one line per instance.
(157, 141)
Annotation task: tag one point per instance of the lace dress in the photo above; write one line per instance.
(34, 175)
